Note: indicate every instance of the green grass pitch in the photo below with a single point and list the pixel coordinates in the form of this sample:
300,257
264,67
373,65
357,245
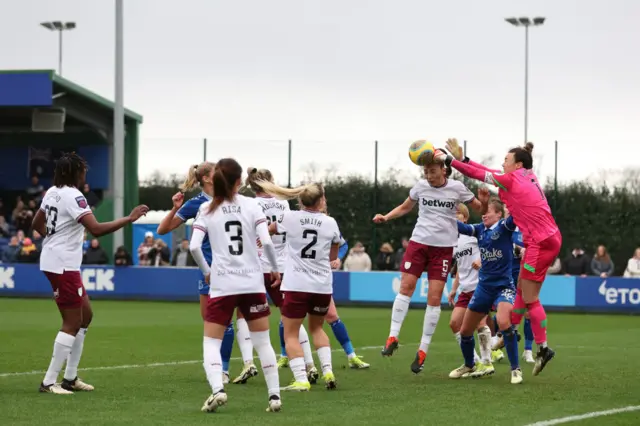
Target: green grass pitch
595,369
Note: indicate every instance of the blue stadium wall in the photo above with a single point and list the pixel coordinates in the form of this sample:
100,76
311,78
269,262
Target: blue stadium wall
362,288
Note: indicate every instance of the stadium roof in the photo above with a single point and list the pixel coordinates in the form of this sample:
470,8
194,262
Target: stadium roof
61,84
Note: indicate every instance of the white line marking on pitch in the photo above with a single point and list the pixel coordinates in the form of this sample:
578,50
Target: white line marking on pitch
157,364
586,416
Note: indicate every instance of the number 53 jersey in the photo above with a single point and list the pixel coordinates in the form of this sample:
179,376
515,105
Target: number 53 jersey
310,236
274,210
235,264
62,246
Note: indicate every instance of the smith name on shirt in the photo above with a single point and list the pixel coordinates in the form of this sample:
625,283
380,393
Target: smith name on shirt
310,221
439,203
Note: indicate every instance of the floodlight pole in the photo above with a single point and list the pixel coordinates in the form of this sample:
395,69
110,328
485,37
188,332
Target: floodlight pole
60,27
526,23
118,127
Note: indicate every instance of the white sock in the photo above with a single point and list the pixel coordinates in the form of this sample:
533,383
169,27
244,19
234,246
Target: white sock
399,313
324,354
306,347
268,361
431,318
484,336
213,362
61,349
244,341
71,372
298,369
494,340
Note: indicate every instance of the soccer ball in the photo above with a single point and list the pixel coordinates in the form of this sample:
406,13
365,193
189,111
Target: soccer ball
421,152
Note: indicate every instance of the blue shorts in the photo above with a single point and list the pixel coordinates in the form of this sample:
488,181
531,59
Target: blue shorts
490,294
203,287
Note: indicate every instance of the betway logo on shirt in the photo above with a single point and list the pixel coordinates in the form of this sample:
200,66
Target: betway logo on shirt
490,255
622,296
465,252
446,204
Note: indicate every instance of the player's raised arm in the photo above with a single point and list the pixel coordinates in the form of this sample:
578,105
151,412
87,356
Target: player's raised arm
465,229
98,229
399,211
500,180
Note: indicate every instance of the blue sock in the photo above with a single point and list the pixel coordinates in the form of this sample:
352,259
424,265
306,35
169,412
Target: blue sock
283,350
511,343
340,331
468,344
528,335
227,347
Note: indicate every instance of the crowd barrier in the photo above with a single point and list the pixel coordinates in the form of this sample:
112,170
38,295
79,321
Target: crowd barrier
363,288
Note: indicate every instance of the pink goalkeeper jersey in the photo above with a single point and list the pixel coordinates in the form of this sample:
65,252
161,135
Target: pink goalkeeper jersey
524,197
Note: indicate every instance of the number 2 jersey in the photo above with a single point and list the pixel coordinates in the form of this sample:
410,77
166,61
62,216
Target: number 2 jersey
274,210
310,236
62,246
235,263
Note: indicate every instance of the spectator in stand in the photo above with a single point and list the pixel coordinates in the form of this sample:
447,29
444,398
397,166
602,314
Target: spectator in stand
28,252
10,253
86,243
92,198
32,207
35,190
577,263
143,249
122,257
357,260
20,235
37,240
95,255
159,254
4,228
400,254
385,260
556,268
633,265
182,256
22,217
3,213
601,264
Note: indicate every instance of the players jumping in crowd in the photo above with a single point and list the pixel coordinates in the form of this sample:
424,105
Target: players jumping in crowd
495,288
519,188
313,240
63,217
233,224
430,248
181,211
467,263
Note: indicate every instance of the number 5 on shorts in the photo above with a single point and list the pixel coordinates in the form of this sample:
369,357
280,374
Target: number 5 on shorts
445,266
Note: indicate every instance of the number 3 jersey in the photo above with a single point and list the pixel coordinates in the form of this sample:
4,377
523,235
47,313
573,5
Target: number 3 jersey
310,236
62,246
274,210
235,264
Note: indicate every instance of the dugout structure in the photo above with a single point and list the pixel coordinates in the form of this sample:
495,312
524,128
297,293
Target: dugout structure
43,114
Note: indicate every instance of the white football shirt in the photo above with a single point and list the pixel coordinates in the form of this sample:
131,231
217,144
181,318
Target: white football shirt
62,246
274,210
235,264
310,236
436,225
465,253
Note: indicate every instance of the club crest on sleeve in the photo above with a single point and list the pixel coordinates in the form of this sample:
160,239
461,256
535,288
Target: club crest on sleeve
82,202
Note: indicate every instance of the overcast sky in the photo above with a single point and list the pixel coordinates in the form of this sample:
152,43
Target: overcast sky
335,75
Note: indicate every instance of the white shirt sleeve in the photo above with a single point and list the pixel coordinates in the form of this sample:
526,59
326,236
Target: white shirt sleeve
195,246
413,192
281,225
465,195
263,234
77,205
